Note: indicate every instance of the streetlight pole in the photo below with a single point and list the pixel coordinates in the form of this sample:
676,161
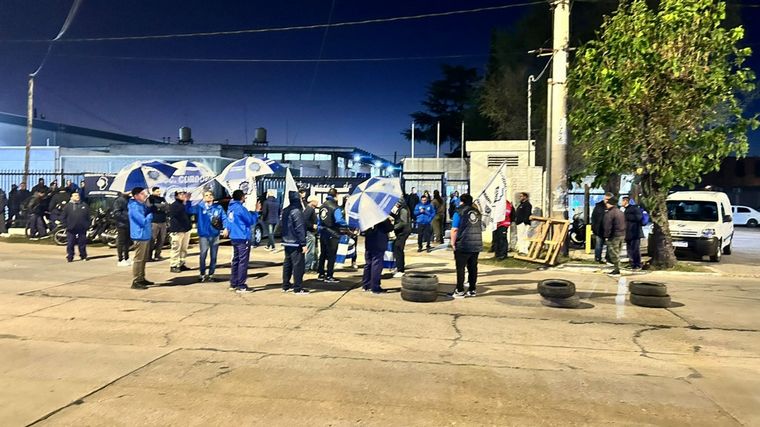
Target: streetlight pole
29,123
558,116
412,139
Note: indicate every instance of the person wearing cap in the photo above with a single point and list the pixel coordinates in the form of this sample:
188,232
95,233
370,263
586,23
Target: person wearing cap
208,215
140,232
614,232
294,241
310,222
179,231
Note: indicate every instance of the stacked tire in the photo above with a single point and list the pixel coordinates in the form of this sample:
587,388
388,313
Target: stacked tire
419,287
649,294
558,293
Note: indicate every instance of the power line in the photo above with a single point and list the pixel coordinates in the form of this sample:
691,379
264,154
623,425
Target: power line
266,60
289,28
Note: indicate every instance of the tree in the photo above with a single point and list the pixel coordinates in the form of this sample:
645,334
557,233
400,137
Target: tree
658,94
448,101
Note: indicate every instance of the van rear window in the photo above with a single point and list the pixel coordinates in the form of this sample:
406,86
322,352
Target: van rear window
692,210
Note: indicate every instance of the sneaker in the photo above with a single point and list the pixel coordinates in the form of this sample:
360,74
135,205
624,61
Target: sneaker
210,278
122,263
302,291
138,285
429,250
84,259
331,280
354,266
419,250
243,290
69,260
202,278
457,294
183,267
379,291
471,293
614,272
286,290
175,270
232,288
398,274
321,277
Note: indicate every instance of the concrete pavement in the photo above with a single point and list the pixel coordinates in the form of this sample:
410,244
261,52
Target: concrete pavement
80,347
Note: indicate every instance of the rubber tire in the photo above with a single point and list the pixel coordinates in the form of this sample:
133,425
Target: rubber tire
420,282
727,249
650,301
59,236
719,252
752,223
418,296
651,289
556,288
569,302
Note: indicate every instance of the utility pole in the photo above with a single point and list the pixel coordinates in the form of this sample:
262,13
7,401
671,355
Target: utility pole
558,110
29,123
412,139
438,140
531,79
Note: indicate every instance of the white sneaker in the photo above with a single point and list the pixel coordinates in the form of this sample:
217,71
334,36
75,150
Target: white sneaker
123,263
398,274
129,262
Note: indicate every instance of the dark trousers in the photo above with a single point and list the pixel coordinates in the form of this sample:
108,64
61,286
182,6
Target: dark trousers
398,251
270,235
424,233
78,238
373,269
293,267
633,247
158,237
328,250
500,243
241,255
598,246
37,227
123,242
469,260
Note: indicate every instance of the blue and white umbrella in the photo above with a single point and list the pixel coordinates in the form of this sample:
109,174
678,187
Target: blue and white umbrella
142,174
192,177
241,175
372,202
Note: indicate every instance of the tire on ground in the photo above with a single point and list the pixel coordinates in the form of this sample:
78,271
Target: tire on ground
418,296
651,301
556,288
569,302
654,289
420,282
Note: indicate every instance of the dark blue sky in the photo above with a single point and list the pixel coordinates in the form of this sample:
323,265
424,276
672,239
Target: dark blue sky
364,104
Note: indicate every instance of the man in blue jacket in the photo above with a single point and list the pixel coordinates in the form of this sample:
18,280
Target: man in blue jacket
294,241
467,242
207,214
424,213
140,231
76,217
375,244
271,215
237,225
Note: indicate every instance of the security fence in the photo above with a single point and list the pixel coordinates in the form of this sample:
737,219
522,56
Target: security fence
10,177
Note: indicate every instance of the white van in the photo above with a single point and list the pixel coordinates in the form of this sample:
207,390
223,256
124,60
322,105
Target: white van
701,223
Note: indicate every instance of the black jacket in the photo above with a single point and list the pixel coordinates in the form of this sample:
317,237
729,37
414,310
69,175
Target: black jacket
597,218
523,213
16,200
179,218
157,205
376,238
403,221
310,218
76,217
121,212
614,223
412,200
293,229
633,217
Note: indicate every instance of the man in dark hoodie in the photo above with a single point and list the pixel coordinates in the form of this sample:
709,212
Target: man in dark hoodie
121,219
375,244
158,207
597,226
402,226
614,232
310,221
179,231
294,241
75,216
271,214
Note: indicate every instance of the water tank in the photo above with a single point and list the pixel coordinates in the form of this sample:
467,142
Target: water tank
185,135
261,136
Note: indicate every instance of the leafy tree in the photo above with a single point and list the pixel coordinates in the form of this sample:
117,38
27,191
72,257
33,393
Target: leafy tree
448,101
658,95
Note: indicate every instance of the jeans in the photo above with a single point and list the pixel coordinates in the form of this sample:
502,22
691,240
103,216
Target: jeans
311,251
76,238
328,248
633,247
138,263
208,244
614,246
158,233
241,255
500,243
598,247
270,236
424,232
180,242
123,242
293,267
373,269
469,260
398,251
37,226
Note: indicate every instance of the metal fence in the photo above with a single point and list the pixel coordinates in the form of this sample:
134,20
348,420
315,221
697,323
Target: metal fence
10,177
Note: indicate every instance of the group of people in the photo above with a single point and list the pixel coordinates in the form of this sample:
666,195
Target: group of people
612,226
42,206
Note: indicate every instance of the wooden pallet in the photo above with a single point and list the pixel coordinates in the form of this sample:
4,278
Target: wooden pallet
542,250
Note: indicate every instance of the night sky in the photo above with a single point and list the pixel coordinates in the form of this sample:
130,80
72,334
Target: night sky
363,104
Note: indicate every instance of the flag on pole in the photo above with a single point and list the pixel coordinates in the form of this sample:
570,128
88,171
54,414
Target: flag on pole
290,185
493,199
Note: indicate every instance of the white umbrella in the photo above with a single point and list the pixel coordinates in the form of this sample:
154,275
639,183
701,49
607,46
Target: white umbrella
372,201
142,174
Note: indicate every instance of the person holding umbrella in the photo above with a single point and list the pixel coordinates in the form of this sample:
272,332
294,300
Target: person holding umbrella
375,244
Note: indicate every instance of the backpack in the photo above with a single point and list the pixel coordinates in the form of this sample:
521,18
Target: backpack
645,220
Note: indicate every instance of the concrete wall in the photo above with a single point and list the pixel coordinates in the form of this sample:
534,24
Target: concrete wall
521,177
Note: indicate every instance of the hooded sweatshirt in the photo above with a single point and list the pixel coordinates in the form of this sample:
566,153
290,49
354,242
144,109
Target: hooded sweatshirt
293,227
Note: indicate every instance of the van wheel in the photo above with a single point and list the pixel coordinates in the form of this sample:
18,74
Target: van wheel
727,249
718,253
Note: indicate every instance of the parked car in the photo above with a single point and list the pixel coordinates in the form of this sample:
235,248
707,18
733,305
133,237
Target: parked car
745,215
701,223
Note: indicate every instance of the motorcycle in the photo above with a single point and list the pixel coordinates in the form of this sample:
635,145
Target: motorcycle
98,230
577,232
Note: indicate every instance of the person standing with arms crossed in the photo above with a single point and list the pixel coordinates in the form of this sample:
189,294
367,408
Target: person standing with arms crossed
140,231
467,242
237,225
76,218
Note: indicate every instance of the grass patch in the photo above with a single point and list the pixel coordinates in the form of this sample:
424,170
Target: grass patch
511,263
684,267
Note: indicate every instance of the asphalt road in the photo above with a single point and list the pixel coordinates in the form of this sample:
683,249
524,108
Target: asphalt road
745,253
